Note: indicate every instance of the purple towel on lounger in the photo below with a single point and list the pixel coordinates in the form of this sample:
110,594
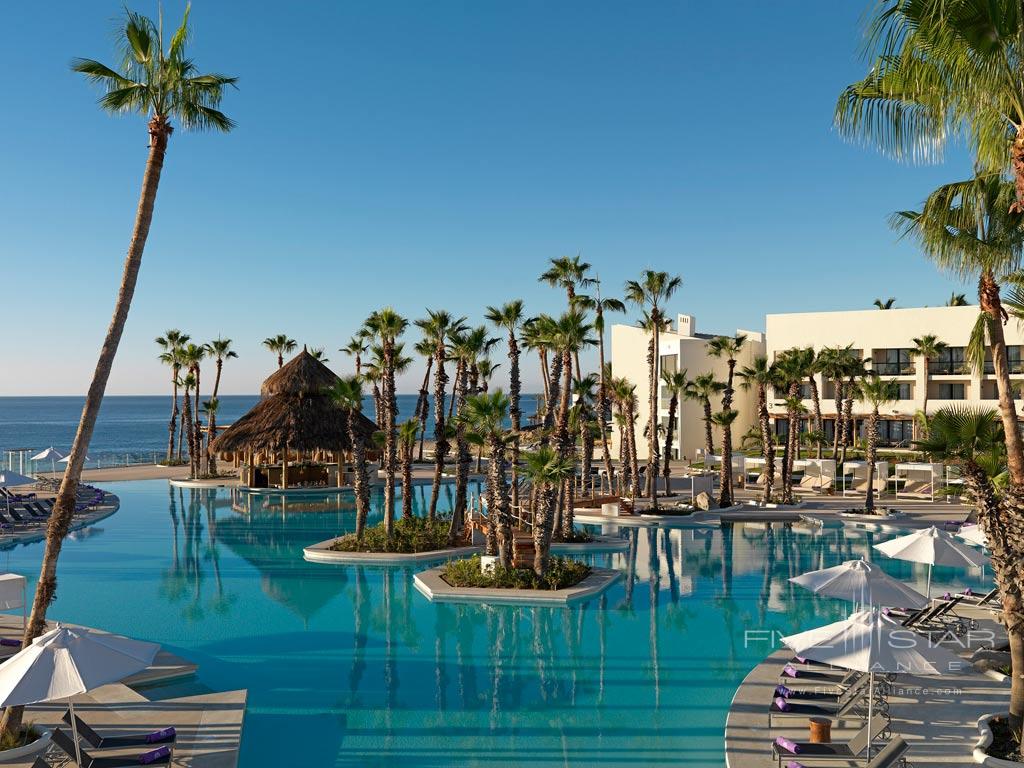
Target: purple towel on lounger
781,704
947,596
790,746
783,691
10,642
153,755
165,734
789,671
968,592
794,764
801,659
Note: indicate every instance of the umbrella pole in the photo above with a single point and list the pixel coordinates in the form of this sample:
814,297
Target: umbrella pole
929,593
74,733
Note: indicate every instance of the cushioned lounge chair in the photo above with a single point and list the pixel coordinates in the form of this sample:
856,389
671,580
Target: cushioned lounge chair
807,751
66,744
156,738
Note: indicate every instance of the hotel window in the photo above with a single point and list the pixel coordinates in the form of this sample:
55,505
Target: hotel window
906,391
949,361
951,392
896,362
1013,358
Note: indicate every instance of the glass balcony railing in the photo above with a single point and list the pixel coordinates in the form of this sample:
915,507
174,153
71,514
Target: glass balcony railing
892,369
947,368
1016,366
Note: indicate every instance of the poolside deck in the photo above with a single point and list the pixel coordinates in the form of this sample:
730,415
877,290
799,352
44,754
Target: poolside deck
936,715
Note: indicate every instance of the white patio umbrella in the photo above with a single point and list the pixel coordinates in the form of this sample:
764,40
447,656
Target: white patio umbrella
9,478
52,455
934,547
67,661
67,459
869,641
973,534
861,582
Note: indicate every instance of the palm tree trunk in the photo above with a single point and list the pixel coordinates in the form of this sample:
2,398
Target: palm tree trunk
991,305
839,427
499,511
869,502
440,440
462,457
542,527
361,481
64,508
709,434
767,443
186,417
725,474
390,457
633,458
197,435
515,413
171,427
407,480
422,406
602,402
816,400
652,423
673,405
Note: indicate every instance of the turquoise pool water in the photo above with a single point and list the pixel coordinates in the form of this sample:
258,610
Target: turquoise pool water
351,666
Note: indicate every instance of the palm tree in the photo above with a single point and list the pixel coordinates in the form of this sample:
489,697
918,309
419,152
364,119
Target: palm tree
728,347
887,304
725,419
484,417
466,346
210,409
436,327
569,273
701,390
220,350
790,370
760,376
957,300
877,392
425,349
407,434
927,347
675,382
833,364
548,471
388,326
187,383
319,353
347,394
586,424
192,356
171,343
535,339
651,292
624,395
280,345
509,317
599,305
357,347
854,370
942,70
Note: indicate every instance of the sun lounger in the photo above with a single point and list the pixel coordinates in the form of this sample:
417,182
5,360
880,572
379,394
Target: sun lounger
160,755
980,600
851,702
795,673
807,751
156,738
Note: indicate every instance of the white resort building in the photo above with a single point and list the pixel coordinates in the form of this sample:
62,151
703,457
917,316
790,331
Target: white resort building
882,337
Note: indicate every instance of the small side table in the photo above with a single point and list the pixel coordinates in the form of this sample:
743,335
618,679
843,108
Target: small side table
821,730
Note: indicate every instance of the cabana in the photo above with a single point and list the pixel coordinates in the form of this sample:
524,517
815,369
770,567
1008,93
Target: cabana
857,472
295,436
714,461
819,475
918,480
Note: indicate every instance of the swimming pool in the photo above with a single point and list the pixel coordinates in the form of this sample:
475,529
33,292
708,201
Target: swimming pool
350,665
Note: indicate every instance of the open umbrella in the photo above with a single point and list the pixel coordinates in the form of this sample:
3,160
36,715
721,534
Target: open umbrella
9,478
973,534
869,641
67,459
934,547
68,661
52,455
861,582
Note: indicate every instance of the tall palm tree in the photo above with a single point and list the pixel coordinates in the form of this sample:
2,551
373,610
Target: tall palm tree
854,370
876,391
624,395
210,409
220,350
790,370
425,349
586,425
599,305
760,376
188,383
942,70
436,328
535,339
280,345
484,417
725,419
886,304
192,356
728,347
651,292
171,343
548,471
675,382
407,434
509,317
572,334
568,273
701,390
927,347
319,353
347,394
388,326
357,347
957,300
833,363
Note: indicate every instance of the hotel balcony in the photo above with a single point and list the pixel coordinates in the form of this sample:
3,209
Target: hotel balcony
892,369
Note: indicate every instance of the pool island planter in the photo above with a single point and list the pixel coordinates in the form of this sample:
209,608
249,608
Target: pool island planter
981,757
26,751
433,586
321,552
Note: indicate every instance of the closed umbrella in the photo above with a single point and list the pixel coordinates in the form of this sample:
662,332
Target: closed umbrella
52,455
934,547
869,641
67,661
861,582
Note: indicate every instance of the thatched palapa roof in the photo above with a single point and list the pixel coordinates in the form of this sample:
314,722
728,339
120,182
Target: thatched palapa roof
294,412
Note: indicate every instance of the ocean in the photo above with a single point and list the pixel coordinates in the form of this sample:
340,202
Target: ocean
130,429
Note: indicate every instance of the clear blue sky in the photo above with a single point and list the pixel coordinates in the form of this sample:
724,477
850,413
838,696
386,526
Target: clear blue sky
437,154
